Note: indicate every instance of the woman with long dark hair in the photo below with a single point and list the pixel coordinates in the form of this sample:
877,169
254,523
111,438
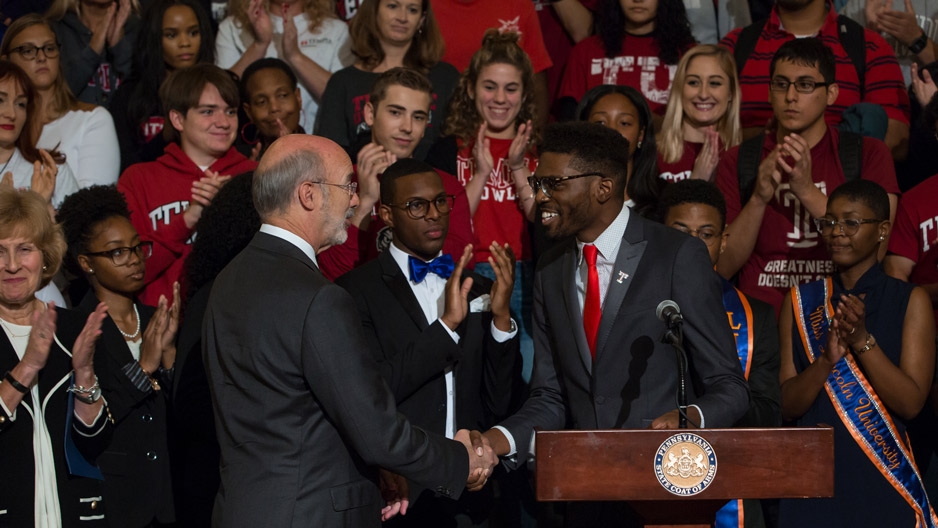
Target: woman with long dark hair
175,34
622,108
638,43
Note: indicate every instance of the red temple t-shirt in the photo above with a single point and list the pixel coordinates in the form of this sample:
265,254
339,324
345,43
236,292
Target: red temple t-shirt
915,235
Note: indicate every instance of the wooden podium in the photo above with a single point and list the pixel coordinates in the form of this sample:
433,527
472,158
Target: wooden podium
619,465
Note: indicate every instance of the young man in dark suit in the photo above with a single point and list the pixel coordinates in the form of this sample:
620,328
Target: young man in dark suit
450,359
599,360
303,414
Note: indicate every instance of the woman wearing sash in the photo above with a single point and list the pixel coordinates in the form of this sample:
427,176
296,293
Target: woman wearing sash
857,352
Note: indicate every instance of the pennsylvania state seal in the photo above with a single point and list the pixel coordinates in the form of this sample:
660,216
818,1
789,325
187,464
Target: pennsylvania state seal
685,464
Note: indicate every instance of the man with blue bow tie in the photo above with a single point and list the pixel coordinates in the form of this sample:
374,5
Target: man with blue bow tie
443,337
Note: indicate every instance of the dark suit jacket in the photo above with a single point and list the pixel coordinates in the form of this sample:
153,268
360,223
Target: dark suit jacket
412,354
301,409
135,465
17,486
765,408
634,379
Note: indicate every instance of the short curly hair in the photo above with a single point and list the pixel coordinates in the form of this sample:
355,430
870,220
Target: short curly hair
82,213
26,214
692,192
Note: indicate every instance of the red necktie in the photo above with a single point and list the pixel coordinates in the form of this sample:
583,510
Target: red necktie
592,311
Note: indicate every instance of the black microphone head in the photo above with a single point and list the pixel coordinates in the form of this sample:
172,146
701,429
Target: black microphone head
665,309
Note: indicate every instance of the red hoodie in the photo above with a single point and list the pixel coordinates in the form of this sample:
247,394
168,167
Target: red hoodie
158,193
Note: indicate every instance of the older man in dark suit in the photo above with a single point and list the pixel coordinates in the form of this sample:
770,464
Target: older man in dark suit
301,409
444,339
598,355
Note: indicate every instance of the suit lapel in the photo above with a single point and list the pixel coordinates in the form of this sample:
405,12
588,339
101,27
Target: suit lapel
623,273
395,280
572,301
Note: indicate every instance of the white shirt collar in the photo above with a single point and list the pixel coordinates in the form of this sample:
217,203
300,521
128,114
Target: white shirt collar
292,238
608,241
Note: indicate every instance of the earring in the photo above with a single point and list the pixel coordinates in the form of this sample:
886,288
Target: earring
882,238
91,271
639,144
44,267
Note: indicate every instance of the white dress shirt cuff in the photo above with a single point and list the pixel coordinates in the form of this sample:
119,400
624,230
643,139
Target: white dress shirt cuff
501,337
511,440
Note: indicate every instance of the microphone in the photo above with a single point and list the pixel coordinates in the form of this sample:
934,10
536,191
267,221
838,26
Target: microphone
669,312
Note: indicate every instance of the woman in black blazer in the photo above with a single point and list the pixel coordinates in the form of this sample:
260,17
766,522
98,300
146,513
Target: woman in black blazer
135,366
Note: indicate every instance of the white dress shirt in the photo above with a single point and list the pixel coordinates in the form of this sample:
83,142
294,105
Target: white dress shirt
292,238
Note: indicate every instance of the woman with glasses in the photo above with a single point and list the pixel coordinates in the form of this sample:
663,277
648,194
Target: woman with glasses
84,133
136,353
702,119
858,352
625,110
50,397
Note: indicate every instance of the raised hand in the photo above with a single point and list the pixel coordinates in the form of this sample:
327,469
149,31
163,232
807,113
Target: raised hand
168,337
456,302
798,169
769,177
519,146
44,173
923,87
709,156
115,30
482,152
372,160
850,315
40,339
482,459
83,349
291,43
872,11
900,24
502,261
394,491
101,29
203,192
261,25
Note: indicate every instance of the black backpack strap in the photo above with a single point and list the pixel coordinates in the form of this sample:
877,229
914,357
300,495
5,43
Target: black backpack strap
850,151
746,43
747,166
853,39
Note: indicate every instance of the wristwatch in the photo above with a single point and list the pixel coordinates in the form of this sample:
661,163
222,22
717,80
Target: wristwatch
919,44
89,395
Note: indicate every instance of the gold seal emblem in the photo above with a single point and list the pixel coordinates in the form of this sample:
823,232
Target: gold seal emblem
685,464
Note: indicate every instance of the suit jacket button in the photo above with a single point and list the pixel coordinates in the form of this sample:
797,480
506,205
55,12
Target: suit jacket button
94,505
147,417
600,400
151,456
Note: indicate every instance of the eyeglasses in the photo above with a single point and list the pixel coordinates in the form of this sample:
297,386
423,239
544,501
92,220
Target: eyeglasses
548,184
28,51
418,208
709,235
350,188
121,256
805,86
848,226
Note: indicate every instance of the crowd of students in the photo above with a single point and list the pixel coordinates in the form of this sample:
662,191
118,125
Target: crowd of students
808,146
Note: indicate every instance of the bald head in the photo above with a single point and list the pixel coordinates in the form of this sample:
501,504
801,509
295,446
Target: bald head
290,161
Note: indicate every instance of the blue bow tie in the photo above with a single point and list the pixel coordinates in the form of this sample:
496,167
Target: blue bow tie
442,266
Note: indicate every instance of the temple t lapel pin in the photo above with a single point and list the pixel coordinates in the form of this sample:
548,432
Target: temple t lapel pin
622,276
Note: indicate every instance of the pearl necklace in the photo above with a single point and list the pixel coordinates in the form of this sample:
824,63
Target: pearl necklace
136,332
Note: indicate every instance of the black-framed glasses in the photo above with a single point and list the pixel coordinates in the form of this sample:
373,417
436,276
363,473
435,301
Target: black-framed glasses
350,187
28,51
848,226
121,256
418,208
805,86
548,184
